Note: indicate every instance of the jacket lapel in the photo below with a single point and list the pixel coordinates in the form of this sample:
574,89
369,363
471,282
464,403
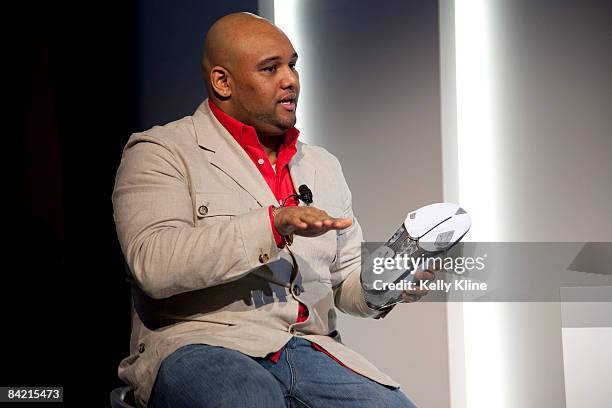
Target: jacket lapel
302,171
229,156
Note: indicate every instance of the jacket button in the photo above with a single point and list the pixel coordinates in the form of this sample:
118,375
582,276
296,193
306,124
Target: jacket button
263,258
296,290
203,210
141,348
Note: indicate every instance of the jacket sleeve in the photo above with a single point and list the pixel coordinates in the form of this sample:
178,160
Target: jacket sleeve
154,216
346,270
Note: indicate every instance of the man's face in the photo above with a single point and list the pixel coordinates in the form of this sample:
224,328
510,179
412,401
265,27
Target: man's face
265,83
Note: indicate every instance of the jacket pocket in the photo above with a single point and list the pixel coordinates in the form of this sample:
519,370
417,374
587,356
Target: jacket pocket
210,207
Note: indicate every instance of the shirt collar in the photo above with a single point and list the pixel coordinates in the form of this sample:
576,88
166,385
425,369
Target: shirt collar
246,135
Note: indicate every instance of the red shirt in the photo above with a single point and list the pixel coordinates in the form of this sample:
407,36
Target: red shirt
278,179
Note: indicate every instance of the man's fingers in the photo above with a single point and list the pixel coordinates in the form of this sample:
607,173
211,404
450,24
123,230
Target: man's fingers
415,295
342,223
308,221
312,220
424,275
328,222
412,296
298,223
419,275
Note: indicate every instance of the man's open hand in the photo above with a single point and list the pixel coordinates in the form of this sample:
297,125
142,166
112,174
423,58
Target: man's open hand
307,221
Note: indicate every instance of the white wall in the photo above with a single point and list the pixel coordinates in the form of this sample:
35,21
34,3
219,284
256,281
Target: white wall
550,113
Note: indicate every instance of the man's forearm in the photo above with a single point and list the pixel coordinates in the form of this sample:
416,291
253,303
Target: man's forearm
348,297
169,261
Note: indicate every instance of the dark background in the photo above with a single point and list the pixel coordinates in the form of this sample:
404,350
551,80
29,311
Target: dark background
88,75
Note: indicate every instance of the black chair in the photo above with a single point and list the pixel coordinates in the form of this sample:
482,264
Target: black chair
122,397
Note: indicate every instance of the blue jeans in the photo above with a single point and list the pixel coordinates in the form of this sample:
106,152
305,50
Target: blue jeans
200,375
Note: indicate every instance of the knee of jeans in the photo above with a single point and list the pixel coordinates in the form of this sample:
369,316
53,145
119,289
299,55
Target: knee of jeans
252,392
260,392
186,375
178,368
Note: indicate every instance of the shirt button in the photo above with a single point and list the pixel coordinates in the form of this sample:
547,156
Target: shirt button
260,161
296,290
263,258
203,210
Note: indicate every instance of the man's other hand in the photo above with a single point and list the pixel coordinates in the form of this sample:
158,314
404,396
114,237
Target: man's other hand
307,221
415,295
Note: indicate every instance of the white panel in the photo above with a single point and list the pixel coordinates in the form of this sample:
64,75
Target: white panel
588,367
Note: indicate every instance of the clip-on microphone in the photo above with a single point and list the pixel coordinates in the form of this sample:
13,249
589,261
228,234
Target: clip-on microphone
304,194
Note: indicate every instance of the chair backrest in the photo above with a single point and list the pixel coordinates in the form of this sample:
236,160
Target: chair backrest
122,397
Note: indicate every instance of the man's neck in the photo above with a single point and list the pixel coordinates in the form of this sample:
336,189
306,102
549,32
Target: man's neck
270,146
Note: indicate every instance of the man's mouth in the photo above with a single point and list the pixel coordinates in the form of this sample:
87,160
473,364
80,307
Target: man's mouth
289,102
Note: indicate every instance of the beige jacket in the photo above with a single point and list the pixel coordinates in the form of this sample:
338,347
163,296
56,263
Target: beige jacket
191,211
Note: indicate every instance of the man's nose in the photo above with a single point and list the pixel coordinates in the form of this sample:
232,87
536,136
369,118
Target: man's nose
290,78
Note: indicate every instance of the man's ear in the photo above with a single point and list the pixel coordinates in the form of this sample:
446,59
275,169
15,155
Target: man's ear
220,82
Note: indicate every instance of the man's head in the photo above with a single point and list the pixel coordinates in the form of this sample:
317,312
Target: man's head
249,69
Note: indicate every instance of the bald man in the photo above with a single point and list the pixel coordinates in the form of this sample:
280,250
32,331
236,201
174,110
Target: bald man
235,280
